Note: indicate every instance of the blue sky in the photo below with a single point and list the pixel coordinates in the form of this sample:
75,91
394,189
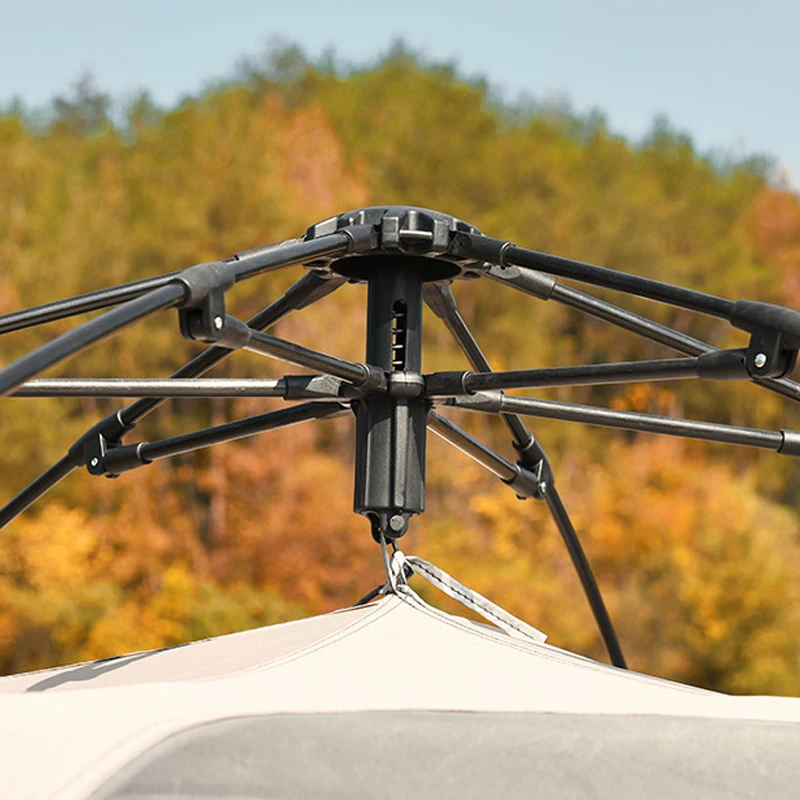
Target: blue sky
725,72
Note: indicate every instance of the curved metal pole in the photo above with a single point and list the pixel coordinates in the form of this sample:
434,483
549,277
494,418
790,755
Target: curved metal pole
81,304
443,303
72,342
584,570
34,490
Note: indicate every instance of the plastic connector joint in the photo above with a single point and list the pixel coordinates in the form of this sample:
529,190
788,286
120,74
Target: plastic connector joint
484,248
310,387
93,444
448,384
234,334
123,459
752,316
530,281
202,313
363,238
526,483
202,279
723,365
374,379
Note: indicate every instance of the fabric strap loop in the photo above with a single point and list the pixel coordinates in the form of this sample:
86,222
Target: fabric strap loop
469,598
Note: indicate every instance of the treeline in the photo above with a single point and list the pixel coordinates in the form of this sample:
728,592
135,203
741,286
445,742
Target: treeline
695,546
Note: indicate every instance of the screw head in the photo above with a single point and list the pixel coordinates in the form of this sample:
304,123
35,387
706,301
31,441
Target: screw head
760,360
218,323
543,487
94,462
397,523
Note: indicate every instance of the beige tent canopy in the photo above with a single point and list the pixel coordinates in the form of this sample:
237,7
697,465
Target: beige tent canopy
392,699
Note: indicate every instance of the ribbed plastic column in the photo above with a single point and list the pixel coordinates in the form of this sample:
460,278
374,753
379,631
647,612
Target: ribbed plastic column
390,429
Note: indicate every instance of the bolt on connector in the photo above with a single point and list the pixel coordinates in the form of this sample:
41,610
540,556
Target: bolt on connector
397,523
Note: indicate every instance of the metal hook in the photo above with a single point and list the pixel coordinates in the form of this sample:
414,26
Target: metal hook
395,566
391,583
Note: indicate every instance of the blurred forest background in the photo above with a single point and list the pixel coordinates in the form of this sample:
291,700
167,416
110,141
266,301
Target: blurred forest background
696,547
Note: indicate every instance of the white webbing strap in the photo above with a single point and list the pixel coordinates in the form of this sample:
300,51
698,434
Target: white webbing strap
466,596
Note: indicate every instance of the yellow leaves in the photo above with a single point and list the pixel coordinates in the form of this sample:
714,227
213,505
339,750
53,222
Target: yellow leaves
774,228
314,168
57,549
129,629
159,621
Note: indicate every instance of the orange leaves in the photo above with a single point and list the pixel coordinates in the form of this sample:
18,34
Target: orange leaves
775,224
648,397
9,298
313,167
774,227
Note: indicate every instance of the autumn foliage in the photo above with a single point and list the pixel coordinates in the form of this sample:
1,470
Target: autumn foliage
696,547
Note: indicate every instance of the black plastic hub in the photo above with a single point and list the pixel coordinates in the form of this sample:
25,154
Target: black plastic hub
408,238
410,247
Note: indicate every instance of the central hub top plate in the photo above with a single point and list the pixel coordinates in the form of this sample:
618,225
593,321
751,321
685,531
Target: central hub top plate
406,238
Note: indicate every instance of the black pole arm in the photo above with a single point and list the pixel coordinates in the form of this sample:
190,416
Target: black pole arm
365,376
584,570
786,442
544,287
72,342
721,365
441,301
147,387
775,330
81,304
356,239
290,387
126,457
500,252
305,291
35,489
241,266
524,482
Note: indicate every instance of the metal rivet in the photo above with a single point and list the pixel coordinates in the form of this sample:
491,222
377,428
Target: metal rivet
760,360
543,487
94,462
218,323
397,523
